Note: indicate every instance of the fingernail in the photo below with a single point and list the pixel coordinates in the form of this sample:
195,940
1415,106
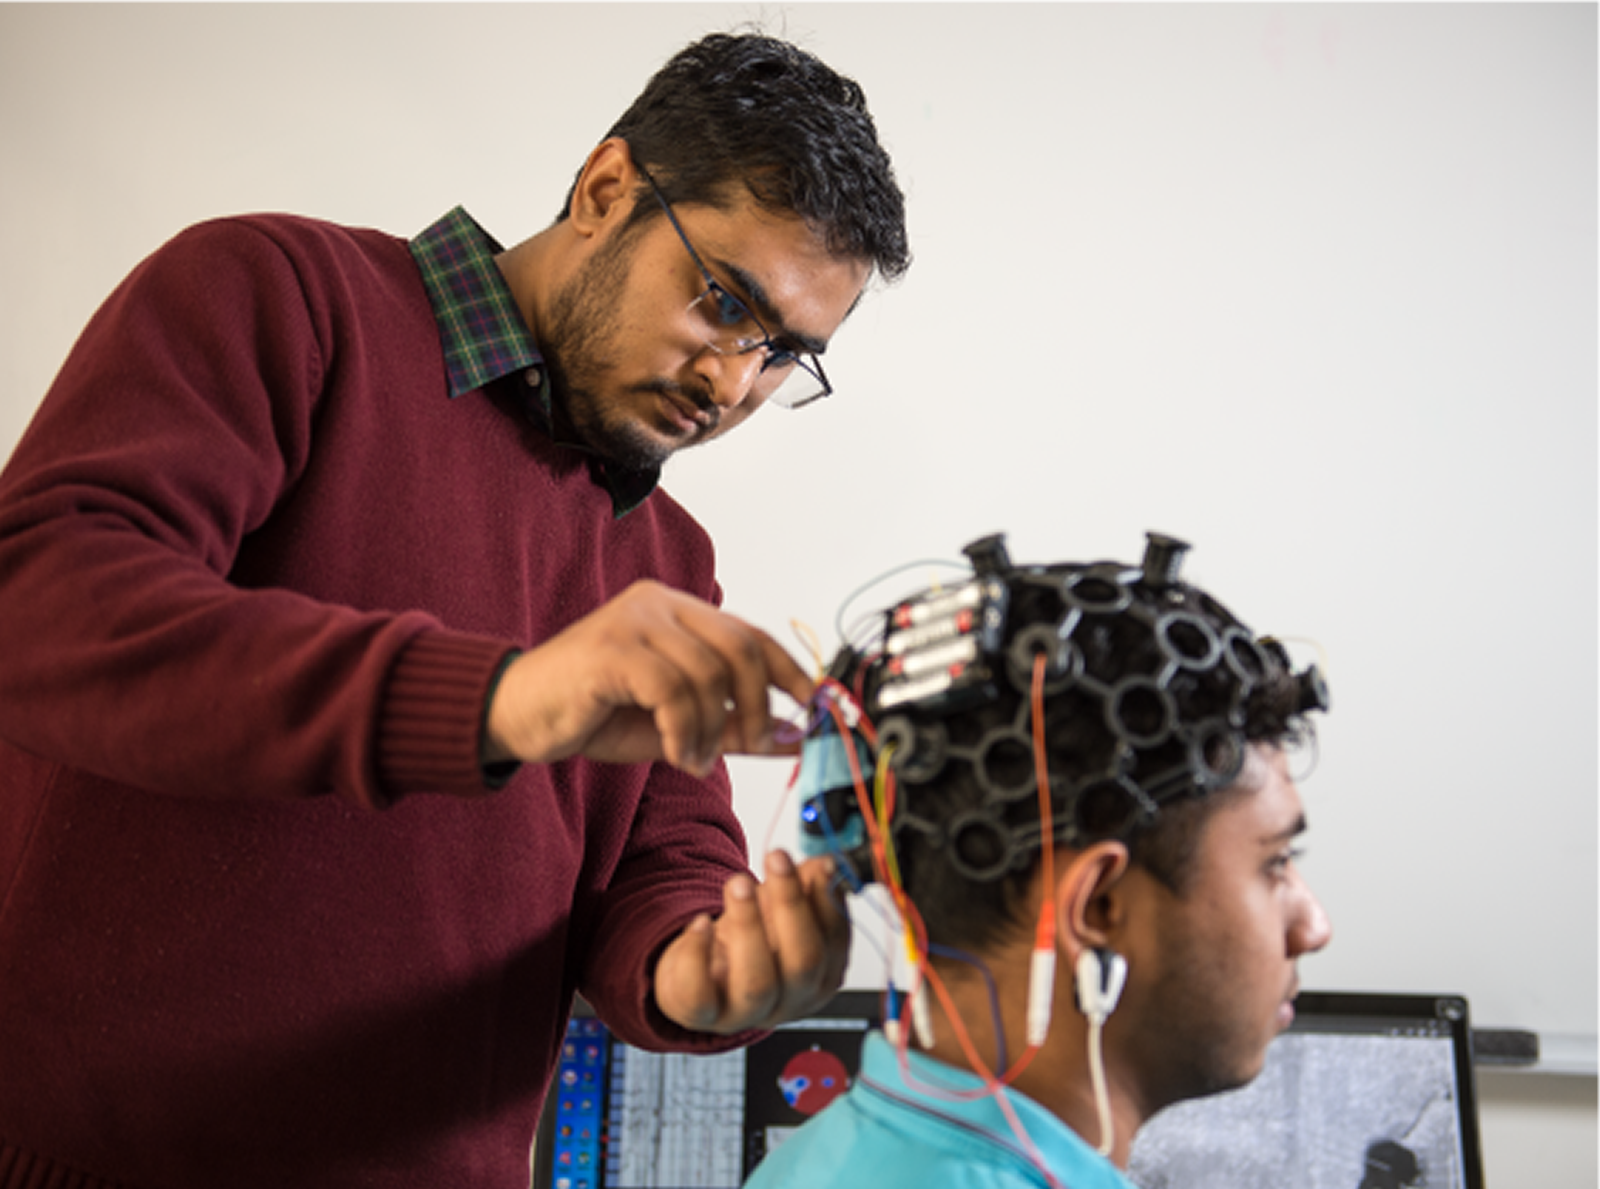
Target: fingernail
742,887
779,863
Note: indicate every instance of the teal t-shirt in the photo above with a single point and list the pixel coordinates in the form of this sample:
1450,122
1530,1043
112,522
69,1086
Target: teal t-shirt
888,1133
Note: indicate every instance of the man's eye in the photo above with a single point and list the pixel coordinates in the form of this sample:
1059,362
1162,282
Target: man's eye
730,310
778,358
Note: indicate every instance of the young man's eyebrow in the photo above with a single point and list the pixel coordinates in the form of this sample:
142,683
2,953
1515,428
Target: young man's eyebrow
1298,827
756,296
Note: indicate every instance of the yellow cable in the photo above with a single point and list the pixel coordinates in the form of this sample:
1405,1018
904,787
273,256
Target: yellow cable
810,642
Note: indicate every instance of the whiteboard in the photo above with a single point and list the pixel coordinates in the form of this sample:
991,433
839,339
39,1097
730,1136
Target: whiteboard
1313,287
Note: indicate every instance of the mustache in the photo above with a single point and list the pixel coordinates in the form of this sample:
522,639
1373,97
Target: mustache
701,401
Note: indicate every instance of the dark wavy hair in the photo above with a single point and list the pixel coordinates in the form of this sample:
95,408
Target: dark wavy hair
751,110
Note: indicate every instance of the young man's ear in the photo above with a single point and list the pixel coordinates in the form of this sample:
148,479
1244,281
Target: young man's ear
1090,908
605,187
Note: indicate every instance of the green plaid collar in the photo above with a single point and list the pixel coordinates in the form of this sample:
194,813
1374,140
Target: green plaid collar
485,338
482,330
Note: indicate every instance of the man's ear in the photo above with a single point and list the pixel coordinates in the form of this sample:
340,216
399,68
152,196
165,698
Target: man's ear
1090,909
605,188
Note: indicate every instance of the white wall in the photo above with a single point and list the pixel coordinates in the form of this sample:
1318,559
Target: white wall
1311,286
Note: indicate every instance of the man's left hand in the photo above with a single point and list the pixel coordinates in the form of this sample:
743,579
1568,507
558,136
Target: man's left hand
776,953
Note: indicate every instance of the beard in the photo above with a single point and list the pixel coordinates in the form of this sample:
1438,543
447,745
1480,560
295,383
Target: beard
578,344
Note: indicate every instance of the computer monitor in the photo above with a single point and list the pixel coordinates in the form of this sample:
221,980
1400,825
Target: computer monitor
622,1118
1365,1091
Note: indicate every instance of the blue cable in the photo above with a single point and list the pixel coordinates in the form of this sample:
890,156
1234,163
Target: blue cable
945,951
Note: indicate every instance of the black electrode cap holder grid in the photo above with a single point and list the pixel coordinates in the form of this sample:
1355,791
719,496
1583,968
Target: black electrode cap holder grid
1313,690
1163,558
919,748
1140,711
989,555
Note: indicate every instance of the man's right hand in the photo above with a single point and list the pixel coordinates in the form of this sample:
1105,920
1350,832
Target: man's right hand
653,674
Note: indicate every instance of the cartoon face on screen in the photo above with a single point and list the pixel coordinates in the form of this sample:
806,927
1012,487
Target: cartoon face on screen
813,1079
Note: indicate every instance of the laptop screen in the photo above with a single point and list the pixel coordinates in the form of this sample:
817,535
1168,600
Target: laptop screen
1362,1092
621,1118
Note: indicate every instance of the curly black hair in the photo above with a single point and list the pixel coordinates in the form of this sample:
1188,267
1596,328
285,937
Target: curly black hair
751,110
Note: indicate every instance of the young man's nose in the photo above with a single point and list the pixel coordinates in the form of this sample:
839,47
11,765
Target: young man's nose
1312,930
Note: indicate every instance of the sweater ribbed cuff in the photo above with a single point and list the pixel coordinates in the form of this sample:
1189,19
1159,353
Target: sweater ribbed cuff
430,726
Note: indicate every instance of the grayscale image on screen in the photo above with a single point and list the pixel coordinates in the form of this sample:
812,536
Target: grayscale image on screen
1329,1111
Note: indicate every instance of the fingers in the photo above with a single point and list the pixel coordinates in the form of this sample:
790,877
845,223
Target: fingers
779,953
686,987
720,977
783,672
706,678
801,929
653,674
806,934
752,989
825,894
714,696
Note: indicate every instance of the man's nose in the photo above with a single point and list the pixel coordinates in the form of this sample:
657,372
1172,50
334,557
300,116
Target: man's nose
731,377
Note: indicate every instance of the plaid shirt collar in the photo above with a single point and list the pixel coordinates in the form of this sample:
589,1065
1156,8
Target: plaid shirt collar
485,338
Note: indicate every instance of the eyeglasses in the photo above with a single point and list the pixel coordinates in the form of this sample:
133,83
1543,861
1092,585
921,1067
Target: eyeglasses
727,326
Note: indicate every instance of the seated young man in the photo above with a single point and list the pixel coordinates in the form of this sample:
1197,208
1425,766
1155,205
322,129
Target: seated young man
1145,956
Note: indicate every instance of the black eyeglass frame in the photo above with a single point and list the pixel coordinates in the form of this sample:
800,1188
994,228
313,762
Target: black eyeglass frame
775,356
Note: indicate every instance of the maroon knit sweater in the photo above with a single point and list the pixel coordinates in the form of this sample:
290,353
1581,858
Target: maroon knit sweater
261,923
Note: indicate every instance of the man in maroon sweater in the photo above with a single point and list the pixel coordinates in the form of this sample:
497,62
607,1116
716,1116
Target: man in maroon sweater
361,695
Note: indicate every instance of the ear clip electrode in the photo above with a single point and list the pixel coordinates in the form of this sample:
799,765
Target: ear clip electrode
1097,983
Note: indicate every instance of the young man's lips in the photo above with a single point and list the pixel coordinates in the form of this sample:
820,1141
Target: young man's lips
1286,1008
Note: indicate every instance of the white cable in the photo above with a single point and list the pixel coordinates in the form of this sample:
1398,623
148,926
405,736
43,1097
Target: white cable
1041,995
1097,1076
922,1015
